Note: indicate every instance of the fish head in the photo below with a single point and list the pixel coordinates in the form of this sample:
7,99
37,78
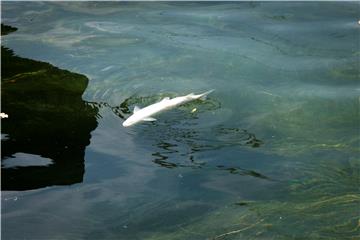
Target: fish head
130,121
126,123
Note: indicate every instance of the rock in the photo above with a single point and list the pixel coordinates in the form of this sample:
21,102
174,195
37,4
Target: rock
48,118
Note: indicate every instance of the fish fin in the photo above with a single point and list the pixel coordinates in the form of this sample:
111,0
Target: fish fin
136,108
149,119
165,99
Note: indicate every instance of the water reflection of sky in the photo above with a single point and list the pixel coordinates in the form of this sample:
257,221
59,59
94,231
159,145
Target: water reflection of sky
276,69
25,160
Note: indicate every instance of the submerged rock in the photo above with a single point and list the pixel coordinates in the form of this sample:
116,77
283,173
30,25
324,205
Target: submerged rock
48,118
5,29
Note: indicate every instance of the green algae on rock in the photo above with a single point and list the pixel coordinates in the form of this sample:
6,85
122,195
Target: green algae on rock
47,117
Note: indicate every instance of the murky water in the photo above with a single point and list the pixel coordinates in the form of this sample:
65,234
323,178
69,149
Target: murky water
273,153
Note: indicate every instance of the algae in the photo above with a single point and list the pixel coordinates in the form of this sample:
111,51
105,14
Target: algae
346,74
295,129
325,206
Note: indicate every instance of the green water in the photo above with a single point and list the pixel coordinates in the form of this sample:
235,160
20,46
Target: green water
273,153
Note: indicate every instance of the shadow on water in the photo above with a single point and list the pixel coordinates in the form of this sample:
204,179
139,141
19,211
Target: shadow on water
47,120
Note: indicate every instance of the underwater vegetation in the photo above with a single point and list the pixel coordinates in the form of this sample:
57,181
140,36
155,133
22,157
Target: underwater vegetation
301,127
320,198
47,117
324,204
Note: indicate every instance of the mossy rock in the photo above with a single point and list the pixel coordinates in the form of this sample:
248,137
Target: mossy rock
47,117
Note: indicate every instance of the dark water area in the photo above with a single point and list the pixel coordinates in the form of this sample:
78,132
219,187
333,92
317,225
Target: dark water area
272,153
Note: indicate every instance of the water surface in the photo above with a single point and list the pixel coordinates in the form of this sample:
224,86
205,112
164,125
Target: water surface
273,153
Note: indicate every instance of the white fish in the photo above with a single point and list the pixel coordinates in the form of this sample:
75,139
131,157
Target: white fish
146,113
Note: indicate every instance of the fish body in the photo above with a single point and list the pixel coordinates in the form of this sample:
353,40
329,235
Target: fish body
146,113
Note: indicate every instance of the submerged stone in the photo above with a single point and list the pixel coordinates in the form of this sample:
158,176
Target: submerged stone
5,29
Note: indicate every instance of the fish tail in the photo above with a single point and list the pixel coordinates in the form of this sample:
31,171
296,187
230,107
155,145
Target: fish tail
203,95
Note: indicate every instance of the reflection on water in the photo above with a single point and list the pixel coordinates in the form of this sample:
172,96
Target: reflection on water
25,160
47,120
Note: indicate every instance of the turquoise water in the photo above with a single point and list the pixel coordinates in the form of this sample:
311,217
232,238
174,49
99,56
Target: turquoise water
273,153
